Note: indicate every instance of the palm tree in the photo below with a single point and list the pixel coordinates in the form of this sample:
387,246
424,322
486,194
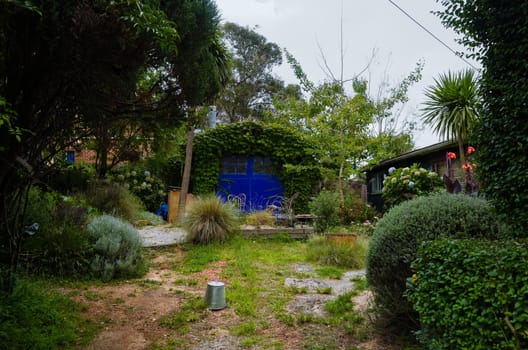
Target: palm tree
451,107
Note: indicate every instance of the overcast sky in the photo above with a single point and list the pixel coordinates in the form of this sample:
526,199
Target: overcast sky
302,26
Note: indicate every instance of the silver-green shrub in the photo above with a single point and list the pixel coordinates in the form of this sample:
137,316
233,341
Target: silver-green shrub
117,248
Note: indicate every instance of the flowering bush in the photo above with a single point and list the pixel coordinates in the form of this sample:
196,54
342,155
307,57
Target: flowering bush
472,184
149,188
409,182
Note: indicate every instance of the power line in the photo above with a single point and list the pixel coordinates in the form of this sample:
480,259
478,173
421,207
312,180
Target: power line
434,36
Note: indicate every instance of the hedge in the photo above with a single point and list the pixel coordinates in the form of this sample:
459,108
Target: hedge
471,294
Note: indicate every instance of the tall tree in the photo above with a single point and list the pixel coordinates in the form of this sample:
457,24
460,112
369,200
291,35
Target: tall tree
495,32
335,121
69,68
53,58
451,107
201,69
252,85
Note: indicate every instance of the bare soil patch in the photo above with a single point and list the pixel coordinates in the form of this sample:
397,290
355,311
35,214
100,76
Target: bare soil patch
131,312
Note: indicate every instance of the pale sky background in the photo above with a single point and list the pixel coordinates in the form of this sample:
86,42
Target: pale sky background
301,25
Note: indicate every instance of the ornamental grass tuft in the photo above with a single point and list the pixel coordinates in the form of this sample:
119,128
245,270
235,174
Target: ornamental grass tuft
210,220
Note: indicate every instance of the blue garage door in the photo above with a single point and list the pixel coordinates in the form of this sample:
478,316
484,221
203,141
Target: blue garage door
250,180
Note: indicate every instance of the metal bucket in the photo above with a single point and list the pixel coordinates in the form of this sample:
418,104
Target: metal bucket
215,295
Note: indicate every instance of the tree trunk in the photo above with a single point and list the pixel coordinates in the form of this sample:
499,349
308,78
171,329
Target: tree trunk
186,175
461,151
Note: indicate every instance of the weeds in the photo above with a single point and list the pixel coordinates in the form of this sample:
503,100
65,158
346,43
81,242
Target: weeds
192,311
34,319
340,254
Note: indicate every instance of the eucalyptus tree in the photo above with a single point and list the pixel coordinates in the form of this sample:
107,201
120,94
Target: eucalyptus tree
451,106
252,85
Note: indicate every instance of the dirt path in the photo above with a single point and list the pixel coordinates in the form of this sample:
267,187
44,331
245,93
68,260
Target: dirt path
133,314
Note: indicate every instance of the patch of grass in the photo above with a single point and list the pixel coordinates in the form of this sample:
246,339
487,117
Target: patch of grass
92,296
190,282
259,218
327,290
342,313
192,311
340,254
198,257
245,329
331,272
249,342
360,284
172,343
33,317
147,283
298,290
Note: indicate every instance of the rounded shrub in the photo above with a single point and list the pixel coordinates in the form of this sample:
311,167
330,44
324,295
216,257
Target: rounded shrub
210,220
398,234
117,248
114,199
325,207
149,188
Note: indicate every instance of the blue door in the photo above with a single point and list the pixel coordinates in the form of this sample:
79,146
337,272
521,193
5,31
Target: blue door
250,181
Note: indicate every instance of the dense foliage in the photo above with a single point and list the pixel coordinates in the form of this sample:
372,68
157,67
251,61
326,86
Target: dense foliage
95,72
57,242
142,183
290,154
410,182
495,32
253,84
209,220
117,248
399,233
471,294
325,208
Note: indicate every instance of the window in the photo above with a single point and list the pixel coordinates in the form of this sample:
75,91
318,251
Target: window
376,183
234,165
262,165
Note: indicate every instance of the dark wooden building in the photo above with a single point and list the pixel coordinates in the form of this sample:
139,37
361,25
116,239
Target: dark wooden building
431,158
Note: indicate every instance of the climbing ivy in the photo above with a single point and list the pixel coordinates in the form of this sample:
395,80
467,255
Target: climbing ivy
291,155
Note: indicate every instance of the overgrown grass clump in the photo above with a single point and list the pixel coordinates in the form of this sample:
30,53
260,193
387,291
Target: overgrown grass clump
341,254
400,232
210,220
117,248
260,218
32,318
